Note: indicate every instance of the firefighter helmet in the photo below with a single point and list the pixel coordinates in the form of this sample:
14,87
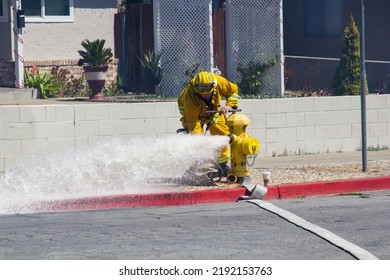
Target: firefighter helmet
205,82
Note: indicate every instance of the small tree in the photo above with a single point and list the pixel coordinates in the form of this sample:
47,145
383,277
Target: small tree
346,80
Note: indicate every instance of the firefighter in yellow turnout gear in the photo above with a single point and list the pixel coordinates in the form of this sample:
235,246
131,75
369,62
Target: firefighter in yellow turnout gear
204,93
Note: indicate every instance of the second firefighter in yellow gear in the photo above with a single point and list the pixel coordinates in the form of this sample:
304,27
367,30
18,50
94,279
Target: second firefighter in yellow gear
204,93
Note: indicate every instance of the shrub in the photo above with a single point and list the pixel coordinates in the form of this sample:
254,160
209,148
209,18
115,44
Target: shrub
288,72
59,82
251,76
384,86
309,91
346,80
46,85
69,85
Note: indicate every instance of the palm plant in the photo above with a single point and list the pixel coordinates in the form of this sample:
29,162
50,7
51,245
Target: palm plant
151,60
94,53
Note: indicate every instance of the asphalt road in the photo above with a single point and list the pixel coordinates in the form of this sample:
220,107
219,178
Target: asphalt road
202,232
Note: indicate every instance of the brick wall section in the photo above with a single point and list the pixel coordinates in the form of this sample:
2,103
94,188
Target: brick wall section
7,70
283,126
71,65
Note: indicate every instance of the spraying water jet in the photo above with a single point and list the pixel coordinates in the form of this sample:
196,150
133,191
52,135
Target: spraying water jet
242,147
115,166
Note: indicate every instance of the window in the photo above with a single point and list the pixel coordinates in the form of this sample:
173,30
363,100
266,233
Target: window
323,17
3,11
48,10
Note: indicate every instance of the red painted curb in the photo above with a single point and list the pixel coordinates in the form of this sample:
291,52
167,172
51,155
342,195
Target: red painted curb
333,187
215,196
145,200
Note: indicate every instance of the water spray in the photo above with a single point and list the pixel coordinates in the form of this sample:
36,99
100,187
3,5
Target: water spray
118,165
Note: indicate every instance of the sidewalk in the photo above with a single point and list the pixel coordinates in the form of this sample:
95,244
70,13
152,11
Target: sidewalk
275,162
284,191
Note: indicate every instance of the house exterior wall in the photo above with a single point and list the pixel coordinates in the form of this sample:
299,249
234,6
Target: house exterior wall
284,126
48,44
58,41
297,44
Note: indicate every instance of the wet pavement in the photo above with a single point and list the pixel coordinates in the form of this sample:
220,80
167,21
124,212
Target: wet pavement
209,231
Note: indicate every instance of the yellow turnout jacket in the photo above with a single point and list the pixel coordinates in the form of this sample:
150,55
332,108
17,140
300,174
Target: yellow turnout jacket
193,108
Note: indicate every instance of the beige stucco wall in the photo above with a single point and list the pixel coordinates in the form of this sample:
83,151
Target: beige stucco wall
54,41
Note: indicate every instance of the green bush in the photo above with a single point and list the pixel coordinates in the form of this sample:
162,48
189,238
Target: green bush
69,85
346,80
58,83
251,82
46,85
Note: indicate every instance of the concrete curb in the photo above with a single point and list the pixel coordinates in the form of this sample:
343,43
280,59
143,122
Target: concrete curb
287,191
332,187
144,200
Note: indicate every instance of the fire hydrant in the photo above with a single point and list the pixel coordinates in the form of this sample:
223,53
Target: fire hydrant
242,145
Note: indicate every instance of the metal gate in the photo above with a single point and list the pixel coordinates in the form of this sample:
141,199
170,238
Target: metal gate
254,33
184,34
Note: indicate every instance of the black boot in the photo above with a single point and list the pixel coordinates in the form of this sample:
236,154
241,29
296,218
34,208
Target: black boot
223,169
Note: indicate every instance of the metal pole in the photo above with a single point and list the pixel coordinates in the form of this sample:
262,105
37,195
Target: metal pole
363,89
281,50
229,40
18,47
124,68
210,35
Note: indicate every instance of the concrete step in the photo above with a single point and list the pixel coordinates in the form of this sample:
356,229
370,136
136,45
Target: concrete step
8,94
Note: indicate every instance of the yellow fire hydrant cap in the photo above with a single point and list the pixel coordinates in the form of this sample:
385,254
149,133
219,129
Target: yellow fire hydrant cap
237,119
250,146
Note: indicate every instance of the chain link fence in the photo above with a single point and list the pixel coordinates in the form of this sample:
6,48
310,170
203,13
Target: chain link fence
254,34
184,35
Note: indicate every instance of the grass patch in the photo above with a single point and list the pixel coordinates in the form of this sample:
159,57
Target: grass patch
373,148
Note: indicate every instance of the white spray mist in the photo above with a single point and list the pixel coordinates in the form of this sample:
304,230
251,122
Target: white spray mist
115,166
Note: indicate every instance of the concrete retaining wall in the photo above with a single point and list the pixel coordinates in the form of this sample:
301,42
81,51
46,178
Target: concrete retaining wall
283,126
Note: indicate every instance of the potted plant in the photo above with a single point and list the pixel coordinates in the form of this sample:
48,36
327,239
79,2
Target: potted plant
151,62
94,59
